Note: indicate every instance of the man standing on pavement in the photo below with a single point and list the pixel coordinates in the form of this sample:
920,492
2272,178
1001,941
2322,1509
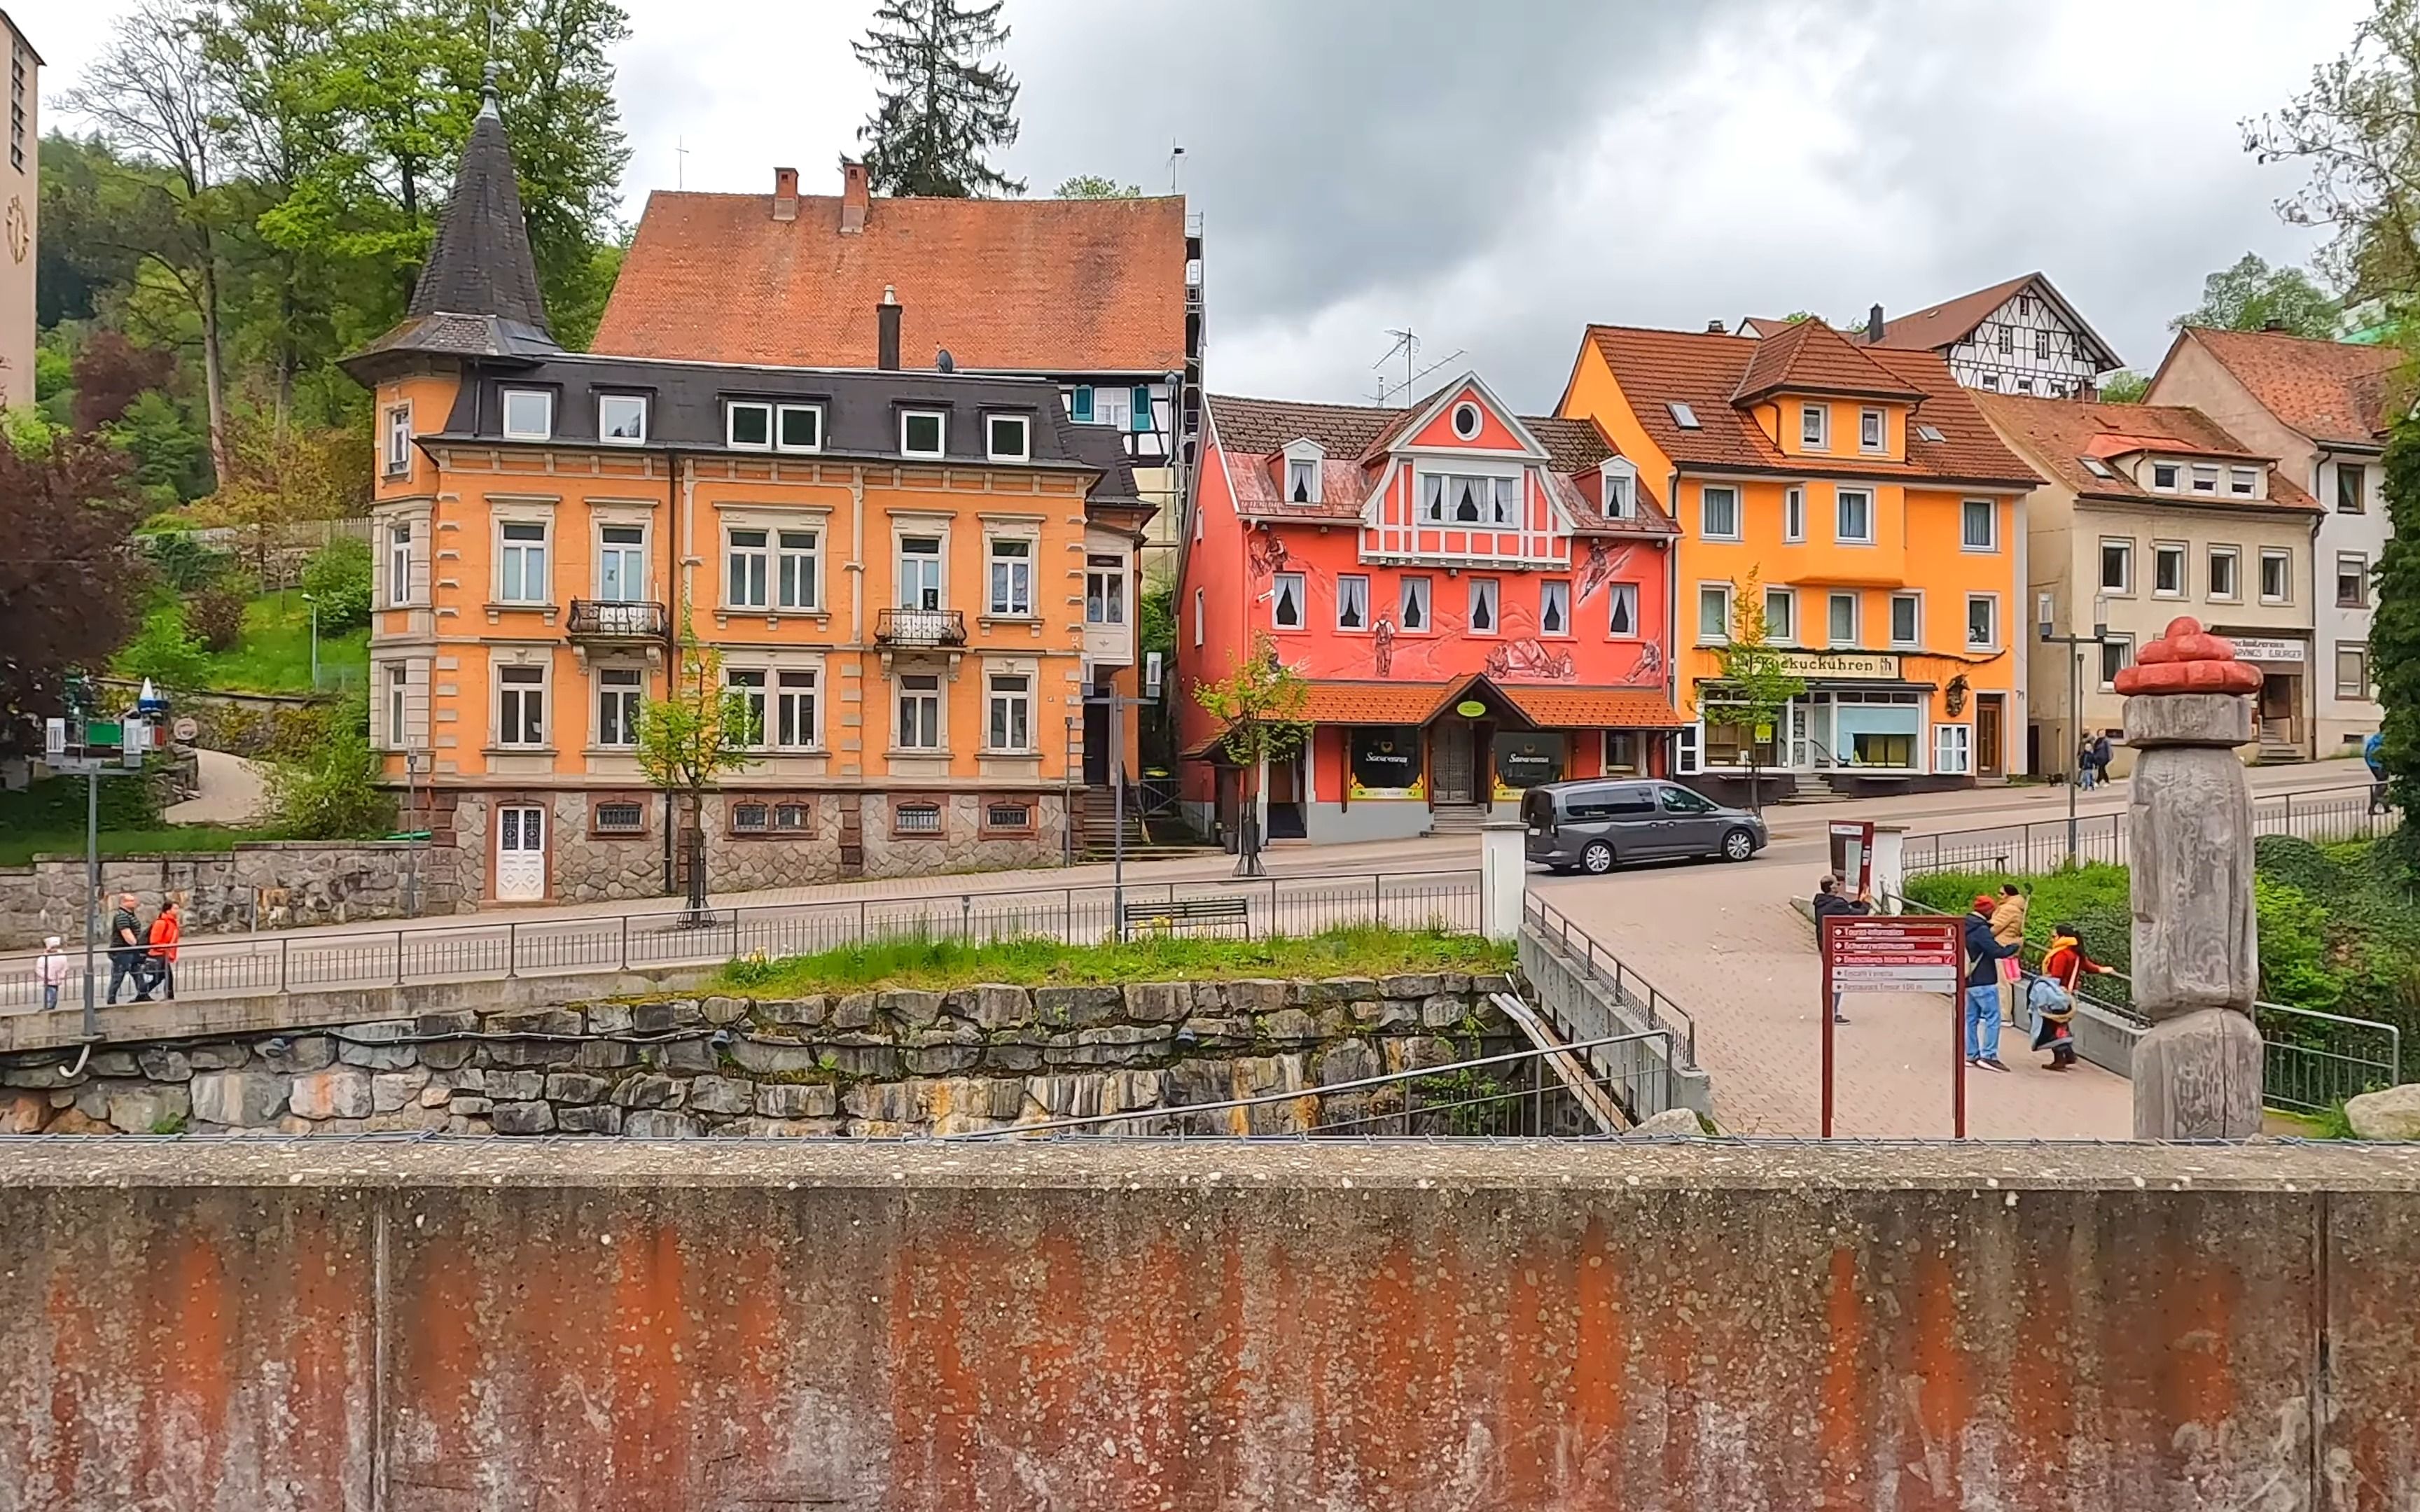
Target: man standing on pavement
128,949
2084,763
1829,900
1983,956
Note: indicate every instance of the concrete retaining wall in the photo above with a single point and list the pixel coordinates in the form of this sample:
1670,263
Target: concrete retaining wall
247,1325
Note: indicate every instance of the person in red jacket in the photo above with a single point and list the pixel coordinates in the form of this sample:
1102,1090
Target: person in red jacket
165,931
2065,963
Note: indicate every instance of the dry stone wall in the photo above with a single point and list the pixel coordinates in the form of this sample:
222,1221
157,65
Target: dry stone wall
871,1064
267,885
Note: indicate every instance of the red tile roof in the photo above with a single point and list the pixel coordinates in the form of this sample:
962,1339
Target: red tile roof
1594,708
1812,357
1951,321
1044,286
2058,434
2330,391
1374,702
1703,369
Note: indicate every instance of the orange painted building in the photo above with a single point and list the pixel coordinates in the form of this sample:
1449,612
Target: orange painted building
1879,517
1477,600
909,580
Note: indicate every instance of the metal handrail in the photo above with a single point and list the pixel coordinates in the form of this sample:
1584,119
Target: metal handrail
2271,815
921,628
1625,982
615,619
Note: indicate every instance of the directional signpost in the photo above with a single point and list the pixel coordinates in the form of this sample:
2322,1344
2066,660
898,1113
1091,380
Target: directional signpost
1887,953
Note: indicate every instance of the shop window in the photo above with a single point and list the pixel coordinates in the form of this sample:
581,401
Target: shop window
1623,754
1524,759
1386,759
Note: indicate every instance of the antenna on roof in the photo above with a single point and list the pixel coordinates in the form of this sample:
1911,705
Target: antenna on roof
1407,343
944,361
680,161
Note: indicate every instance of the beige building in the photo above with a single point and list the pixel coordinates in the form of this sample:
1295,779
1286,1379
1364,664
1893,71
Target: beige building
2152,512
20,202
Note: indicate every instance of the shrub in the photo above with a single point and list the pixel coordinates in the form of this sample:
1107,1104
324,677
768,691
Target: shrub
183,562
165,652
338,576
329,789
215,616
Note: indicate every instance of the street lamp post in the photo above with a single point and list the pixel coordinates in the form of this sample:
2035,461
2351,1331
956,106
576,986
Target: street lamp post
2076,645
315,640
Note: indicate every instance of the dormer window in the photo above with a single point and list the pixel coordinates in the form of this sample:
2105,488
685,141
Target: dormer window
1814,426
921,432
1870,430
1620,483
1005,438
622,419
529,415
2163,476
748,426
2205,479
2244,482
1302,472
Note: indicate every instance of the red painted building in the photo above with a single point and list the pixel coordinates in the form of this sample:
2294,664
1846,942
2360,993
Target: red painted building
1480,602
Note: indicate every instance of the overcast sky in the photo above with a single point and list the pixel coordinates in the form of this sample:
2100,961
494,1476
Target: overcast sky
1496,176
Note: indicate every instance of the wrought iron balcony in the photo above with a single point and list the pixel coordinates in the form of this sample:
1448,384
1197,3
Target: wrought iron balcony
605,619
921,628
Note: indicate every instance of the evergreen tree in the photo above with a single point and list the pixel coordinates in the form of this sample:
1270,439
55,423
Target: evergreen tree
938,110
2395,632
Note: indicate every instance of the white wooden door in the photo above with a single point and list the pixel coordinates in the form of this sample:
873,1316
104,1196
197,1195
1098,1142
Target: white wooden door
520,855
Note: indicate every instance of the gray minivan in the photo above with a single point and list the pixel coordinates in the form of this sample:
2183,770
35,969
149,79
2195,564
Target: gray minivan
1592,823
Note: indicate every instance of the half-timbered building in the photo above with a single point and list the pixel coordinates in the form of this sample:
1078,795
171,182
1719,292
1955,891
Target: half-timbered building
2018,337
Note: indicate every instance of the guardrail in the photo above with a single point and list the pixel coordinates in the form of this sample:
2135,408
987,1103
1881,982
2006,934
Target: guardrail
492,949
2039,846
1590,996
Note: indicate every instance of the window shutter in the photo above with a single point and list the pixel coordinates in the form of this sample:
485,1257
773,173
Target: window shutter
1142,418
1082,406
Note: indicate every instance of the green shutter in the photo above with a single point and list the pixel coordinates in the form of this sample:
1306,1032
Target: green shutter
1142,418
1082,406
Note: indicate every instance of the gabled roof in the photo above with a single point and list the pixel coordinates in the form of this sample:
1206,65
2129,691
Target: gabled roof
1939,327
1760,325
1028,285
1812,357
2058,434
1703,370
2330,391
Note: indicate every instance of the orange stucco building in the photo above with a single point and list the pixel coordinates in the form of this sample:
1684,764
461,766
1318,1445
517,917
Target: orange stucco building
1877,515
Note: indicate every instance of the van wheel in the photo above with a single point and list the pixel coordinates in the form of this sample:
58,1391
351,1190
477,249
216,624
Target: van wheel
1738,846
1597,859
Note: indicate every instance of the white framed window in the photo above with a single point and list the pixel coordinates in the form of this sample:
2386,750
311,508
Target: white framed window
1952,748
1815,426
1619,489
520,705
1012,576
2352,669
1713,614
745,686
800,427
1008,437
399,439
1462,499
794,709
920,711
1978,525
2041,345
1010,724
1841,620
2024,305
1114,404
1622,610
1105,590
2007,340
796,568
398,684
2168,569
529,414
1286,601
1718,512
1554,606
1793,514
2244,482
1907,619
2163,476
2205,479
1781,615
399,563
2352,485
1872,431
1991,382
621,564
1466,421
2117,566
2353,580
1982,620
2116,655
2276,576
622,419
619,692
919,572
1483,605
2225,586
747,424
521,566
1352,603
923,432
1413,607
1853,516
1302,481
1688,745
747,569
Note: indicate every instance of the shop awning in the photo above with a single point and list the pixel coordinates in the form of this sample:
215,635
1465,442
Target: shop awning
1372,703
1594,708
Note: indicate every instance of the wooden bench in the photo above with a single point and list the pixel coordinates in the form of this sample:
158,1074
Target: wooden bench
1185,913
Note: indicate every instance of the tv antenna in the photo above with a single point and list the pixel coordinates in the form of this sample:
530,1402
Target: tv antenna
680,162
1407,345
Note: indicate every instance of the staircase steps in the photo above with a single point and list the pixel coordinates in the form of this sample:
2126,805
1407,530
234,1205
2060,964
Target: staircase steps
1457,820
2281,755
1814,787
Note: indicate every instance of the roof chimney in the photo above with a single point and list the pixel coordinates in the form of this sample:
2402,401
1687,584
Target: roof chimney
855,198
886,324
1713,328
1874,324
785,193
2273,323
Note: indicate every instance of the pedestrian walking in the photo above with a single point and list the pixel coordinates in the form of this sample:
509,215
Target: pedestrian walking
2373,755
52,969
2100,755
2008,928
165,931
1983,956
1829,900
128,949
2085,767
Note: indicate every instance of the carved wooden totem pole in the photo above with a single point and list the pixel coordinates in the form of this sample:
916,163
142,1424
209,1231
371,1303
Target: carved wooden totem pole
2197,1071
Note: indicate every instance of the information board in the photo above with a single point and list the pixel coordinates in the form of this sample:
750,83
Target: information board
1888,953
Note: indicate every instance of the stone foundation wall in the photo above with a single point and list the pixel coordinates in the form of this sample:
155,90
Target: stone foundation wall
874,1063
269,884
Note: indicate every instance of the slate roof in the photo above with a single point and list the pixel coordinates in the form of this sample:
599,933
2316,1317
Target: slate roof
2330,391
1705,369
1033,286
2058,434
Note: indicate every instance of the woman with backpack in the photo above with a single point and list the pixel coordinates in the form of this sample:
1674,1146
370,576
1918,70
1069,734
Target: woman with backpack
2053,995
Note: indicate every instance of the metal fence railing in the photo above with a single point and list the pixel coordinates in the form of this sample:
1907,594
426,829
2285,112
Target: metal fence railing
487,948
2039,846
1627,986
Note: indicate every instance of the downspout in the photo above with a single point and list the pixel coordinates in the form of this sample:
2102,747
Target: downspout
1672,624
677,582
855,566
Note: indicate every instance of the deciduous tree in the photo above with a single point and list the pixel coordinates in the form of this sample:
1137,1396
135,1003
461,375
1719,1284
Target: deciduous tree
1092,186
688,738
1259,706
2356,132
1757,681
2252,296
69,583
2394,635
938,109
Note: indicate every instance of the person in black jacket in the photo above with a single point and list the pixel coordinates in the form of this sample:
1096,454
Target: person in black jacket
1829,900
128,951
1983,955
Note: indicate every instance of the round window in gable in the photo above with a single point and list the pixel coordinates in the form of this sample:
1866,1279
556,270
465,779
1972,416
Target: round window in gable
1466,421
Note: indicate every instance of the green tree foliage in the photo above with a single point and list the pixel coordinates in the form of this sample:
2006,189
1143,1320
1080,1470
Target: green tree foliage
182,562
1157,624
2355,132
2394,633
171,456
2125,386
71,583
1258,707
338,578
938,109
2252,296
1092,186
167,651
215,615
1757,681
331,790
700,730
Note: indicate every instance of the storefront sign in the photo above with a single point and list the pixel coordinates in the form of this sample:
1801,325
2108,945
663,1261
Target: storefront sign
1385,761
1470,709
1524,761
1862,664
2262,648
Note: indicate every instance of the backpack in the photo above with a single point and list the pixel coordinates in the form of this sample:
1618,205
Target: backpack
2047,998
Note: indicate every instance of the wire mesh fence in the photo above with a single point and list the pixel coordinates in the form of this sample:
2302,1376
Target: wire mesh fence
2034,848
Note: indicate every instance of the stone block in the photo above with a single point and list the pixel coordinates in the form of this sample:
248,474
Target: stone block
1199,1081
1457,984
221,1055
771,1058
686,1057
406,1120
649,1090
854,1012
796,1100
1410,985
2223,720
780,1128
379,1056
1666,1124
447,1055
1289,1024
1257,995
942,1059
2391,1114
720,1094
1212,1032
114,1063
383,1031
1159,1002
1386,1013
431,1096
596,1119
607,1018
238,1099
469,1104
515,1086
883,1101
457,1124
147,1110
875,1060
92,1101
549,1021
1017,1058
576,1087
337,1092
471,1079
1441,1011
662,1018
452,1021
722,1011
392,1091
1494,981
298,1054
992,1005
1076,1007
910,1008
522,1117
77,1121
804,1013
605,1055
1342,989
63,1096
660,1125
162,1064
1349,1061
530,1052
24,1112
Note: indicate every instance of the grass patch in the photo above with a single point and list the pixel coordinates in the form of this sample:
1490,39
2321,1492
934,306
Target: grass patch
18,847
1361,951
274,655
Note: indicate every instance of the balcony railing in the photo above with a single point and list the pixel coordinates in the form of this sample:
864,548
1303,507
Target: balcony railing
604,619
921,628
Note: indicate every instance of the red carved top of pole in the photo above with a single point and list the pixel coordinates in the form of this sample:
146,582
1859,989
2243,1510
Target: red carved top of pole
2188,660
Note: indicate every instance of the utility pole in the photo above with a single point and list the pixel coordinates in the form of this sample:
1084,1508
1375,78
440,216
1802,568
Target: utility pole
98,746
2075,643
